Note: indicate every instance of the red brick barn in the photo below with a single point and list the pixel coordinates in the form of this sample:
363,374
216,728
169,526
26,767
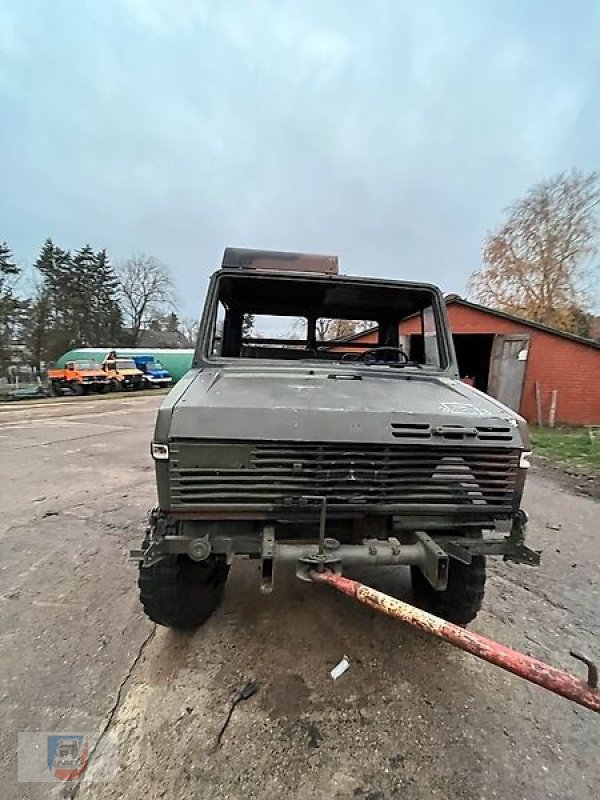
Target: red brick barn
521,363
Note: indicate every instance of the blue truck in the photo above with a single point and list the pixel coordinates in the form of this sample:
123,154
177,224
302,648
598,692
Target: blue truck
155,375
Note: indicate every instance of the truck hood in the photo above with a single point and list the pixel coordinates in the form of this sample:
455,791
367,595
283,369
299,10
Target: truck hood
329,404
158,373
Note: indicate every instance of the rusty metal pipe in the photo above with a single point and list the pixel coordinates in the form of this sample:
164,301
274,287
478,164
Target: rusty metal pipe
555,680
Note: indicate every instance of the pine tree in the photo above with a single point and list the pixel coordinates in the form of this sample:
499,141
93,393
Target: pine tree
107,322
76,304
85,305
10,305
38,327
7,265
50,331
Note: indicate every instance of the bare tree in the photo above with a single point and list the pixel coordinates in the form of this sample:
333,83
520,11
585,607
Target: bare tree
538,264
146,288
189,327
330,329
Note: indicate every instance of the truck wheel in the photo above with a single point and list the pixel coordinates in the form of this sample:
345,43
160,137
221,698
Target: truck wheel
115,385
181,593
55,389
77,389
462,598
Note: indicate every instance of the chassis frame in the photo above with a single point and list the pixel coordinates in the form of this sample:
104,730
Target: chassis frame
430,553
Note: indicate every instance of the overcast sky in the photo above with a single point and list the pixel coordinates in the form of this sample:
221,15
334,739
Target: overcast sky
390,133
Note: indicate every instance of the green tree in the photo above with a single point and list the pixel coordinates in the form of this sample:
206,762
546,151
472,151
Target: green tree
109,319
50,329
10,305
95,307
76,303
83,296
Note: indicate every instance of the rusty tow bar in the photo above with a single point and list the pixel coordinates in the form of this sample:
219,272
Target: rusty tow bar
551,678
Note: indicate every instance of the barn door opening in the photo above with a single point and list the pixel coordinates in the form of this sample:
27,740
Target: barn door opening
507,369
473,355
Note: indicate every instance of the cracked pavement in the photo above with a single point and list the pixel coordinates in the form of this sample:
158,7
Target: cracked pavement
412,717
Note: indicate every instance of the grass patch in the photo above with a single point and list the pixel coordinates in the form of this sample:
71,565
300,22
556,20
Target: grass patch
570,447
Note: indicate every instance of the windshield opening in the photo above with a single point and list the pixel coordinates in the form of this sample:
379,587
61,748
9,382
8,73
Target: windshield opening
260,317
86,365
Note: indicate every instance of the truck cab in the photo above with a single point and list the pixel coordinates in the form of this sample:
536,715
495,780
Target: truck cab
154,374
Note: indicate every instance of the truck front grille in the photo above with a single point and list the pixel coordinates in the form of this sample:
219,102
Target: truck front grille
416,478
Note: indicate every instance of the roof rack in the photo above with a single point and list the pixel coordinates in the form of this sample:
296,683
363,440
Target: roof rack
273,260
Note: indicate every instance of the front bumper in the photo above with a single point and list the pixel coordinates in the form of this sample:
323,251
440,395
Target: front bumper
430,553
158,381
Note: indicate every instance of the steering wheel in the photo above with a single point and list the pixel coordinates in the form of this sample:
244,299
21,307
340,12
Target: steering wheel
374,350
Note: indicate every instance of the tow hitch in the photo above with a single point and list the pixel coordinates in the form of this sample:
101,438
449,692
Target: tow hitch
555,680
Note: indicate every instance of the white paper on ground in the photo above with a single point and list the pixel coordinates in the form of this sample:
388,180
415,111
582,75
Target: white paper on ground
340,668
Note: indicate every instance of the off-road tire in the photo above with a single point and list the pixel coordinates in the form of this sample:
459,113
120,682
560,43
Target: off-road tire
77,389
55,389
462,599
115,385
181,593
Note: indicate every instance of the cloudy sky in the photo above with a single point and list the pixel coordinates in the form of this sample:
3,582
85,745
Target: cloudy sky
390,133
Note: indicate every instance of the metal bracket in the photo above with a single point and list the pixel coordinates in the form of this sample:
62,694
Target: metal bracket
155,536
458,552
267,559
592,677
435,566
148,557
519,553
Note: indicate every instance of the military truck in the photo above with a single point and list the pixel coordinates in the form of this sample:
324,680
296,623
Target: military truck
313,429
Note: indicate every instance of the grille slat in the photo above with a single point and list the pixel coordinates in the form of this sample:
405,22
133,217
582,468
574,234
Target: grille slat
404,477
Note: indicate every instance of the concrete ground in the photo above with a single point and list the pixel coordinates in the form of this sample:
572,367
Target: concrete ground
412,717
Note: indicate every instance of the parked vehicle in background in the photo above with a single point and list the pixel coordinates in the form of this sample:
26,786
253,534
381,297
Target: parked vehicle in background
31,392
175,360
122,373
77,377
155,375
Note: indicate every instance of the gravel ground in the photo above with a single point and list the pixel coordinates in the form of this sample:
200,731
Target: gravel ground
411,718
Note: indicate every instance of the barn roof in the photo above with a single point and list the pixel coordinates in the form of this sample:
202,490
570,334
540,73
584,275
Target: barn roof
454,299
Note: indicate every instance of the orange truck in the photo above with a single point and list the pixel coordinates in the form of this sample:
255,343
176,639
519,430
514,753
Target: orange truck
77,377
122,373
